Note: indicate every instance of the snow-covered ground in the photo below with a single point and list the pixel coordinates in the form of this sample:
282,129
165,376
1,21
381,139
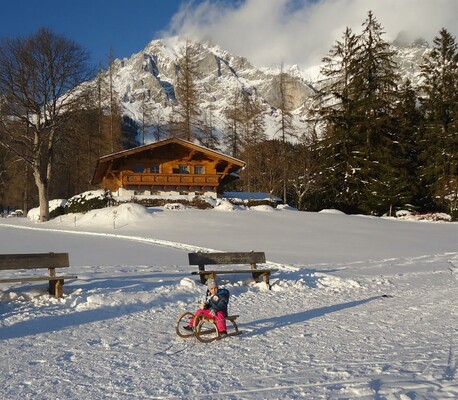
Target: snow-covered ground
360,308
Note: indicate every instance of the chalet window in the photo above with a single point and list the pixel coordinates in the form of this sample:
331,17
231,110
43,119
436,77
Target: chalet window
183,169
155,168
139,168
199,170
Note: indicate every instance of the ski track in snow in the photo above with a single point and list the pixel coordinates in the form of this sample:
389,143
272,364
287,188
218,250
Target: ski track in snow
313,336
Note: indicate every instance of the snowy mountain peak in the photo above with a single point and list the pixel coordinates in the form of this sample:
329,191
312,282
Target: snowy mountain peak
147,80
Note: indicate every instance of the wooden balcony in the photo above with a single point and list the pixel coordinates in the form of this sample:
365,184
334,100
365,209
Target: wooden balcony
151,179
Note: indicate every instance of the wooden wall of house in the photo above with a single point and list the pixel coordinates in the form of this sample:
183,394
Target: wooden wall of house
168,158
165,166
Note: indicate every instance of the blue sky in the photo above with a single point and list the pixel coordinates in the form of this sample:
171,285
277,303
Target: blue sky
126,26
267,32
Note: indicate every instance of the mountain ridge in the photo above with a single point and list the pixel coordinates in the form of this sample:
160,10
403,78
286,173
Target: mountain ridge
146,80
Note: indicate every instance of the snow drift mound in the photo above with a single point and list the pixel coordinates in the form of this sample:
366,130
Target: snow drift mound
124,214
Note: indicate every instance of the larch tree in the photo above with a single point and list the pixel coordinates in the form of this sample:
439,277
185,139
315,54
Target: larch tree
286,129
187,93
39,77
146,113
114,111
158,123
251,118
209,132
306,170
232,135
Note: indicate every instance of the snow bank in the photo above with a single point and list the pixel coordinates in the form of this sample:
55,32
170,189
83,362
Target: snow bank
122,215
262,208
331,211
34,213
224,205
286,207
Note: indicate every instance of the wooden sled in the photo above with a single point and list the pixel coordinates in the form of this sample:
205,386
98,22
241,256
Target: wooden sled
204,328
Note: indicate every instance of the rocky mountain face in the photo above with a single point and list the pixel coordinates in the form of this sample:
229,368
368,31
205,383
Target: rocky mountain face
145,82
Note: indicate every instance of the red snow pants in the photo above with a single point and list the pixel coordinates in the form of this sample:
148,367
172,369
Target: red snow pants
220,319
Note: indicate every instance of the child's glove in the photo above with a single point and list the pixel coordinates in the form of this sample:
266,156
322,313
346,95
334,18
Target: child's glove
215,299
213,312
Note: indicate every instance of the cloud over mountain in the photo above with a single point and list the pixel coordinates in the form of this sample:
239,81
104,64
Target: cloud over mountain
271,32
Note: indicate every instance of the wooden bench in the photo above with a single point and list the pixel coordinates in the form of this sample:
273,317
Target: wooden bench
252,258
51,261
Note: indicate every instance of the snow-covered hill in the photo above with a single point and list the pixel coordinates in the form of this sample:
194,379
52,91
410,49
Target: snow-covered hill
361,308
146,81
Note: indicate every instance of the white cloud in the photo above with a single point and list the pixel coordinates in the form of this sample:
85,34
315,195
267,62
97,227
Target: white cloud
271,32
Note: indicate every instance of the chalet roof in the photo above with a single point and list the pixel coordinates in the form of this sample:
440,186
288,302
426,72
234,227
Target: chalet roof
103,162
185,143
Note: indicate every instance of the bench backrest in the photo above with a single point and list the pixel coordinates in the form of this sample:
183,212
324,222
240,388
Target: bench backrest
32,261
226,258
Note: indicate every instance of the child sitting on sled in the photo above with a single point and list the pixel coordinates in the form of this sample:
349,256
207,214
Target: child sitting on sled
214,307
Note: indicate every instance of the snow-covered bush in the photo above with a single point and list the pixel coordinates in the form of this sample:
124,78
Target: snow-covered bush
87,201
200,202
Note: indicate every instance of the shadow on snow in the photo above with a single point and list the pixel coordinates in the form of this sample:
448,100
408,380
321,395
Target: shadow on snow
268,324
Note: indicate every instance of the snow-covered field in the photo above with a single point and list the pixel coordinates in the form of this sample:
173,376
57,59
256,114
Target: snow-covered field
360,308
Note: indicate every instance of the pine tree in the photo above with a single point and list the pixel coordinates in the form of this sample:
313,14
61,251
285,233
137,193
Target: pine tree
403,182
376,83
358,99
336,103
440,132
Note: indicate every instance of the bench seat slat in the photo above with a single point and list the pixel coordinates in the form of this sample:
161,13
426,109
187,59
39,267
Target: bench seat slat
235,271
38,278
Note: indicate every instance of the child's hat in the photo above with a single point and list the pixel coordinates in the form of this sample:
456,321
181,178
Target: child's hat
211,283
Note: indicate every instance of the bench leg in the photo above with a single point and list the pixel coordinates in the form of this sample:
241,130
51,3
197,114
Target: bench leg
267,280
255,274
56,288
203,278
266,277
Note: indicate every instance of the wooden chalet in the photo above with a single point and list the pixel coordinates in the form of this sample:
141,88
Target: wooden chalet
171,166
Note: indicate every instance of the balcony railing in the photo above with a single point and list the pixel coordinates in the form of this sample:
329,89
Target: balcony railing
151,179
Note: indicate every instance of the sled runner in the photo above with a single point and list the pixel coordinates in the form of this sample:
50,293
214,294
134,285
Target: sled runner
204,328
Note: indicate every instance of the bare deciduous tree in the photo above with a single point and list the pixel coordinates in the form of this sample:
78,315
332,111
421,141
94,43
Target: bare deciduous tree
39,79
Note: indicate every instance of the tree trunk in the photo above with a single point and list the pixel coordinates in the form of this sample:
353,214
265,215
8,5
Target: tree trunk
43,196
